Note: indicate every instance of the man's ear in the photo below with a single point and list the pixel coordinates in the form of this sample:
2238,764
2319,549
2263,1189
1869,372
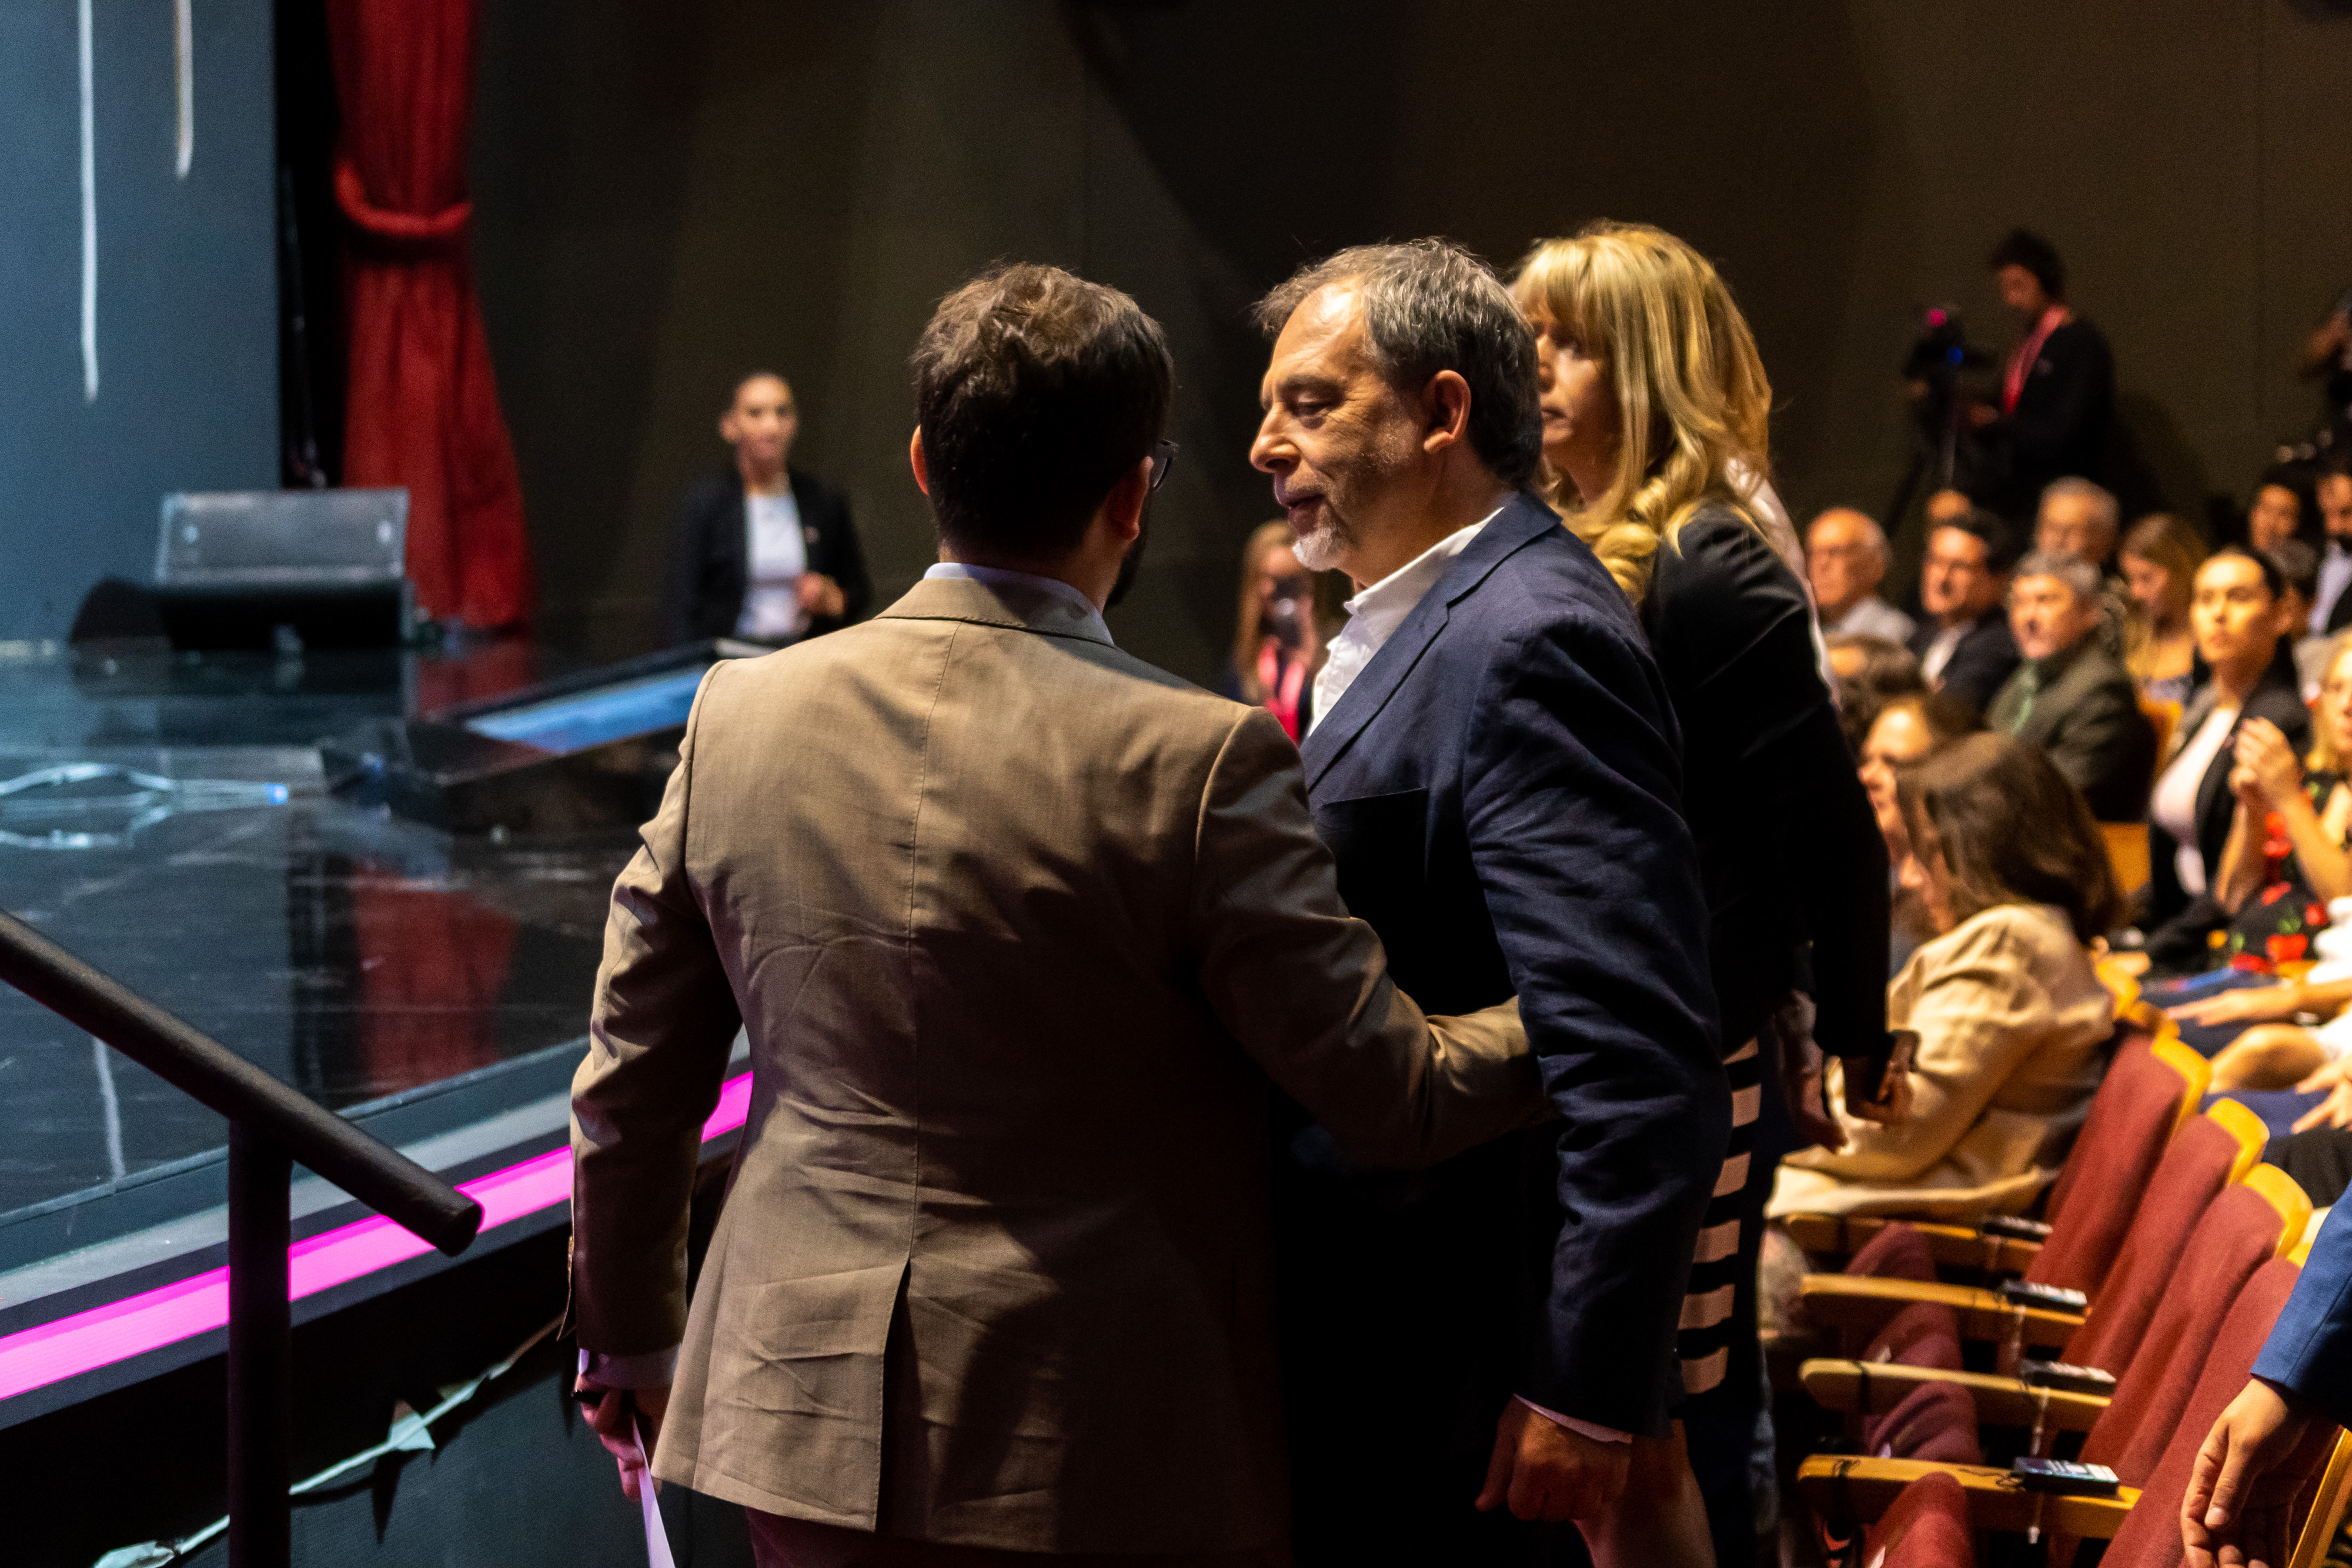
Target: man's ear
1124,505
727,427
1446,411
915,461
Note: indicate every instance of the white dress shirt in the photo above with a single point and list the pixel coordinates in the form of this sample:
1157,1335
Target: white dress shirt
1377,612
1939,652
2334,576
776,555
1084,616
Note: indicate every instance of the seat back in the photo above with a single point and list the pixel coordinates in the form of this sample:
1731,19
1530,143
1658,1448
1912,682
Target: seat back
2149,1089
2150,1536
1939,1420
2246,1226
2127,855
2209,1153
1927,1528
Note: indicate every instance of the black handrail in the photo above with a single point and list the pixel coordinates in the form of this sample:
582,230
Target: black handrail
271,1125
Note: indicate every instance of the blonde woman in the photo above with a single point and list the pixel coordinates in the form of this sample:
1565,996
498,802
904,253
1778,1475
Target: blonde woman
2160,556
1654,426
1281,630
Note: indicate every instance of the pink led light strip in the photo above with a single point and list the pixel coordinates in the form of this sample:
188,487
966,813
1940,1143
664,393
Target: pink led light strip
36,1357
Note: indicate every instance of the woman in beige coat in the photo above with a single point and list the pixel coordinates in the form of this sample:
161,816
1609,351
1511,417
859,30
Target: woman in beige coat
2012,1024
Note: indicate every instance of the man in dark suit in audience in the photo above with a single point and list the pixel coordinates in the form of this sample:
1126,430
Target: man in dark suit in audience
762,550
1494,763
2069,696
1966,650
2331,606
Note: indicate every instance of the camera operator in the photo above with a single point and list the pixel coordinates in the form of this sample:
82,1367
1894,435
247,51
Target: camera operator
2057,390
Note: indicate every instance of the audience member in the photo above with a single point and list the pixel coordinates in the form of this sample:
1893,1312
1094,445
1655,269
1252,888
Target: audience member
2298,566
1281,632
2239,616
2331,607
1966,650
2326,357
2161,556
2289,855
1631,318
2078,518
1868,671
764,551
2069,696
2013,1023
1846,555
2058,390
1910,727
2280,511
1948,507
1493,767
1010,1289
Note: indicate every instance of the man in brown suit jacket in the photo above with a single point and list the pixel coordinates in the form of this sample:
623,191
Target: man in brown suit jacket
1021,928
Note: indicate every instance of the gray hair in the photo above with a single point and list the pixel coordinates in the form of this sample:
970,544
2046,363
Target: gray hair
2073,571
1429,306
2098,495
1873,534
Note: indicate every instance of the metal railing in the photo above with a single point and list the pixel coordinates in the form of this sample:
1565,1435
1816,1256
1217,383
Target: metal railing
270,1127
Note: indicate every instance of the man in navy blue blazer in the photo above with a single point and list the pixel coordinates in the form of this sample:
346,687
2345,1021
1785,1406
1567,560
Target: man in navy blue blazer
2240,1497
1495,765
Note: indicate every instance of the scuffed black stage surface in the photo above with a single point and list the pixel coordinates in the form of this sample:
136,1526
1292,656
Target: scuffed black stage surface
419,981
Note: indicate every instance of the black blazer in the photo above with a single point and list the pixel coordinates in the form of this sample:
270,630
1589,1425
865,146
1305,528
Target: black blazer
1501,790
1983,662
2275,700
2089,722
1788,847
2063,413
2339,614
710,559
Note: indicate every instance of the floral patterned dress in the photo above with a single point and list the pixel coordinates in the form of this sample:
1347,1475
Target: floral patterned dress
2275,926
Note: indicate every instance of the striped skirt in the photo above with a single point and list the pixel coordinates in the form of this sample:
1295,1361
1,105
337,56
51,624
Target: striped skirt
1704,1344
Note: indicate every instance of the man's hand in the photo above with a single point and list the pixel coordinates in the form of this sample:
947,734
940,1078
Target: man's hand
2335,1111
1546,1472
2236,1513
821,596
612,1415
2253,1004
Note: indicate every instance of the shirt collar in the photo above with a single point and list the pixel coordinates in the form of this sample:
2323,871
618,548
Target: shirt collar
1380,609
1005,577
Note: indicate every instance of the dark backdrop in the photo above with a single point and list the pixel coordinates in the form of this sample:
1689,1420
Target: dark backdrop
187,302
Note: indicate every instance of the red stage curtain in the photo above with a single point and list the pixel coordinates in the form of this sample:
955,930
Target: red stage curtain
422,409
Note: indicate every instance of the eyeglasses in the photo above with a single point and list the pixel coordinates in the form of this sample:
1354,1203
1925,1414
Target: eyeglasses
1164,458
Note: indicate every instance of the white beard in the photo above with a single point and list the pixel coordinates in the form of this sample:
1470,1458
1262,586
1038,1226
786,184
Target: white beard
1321,550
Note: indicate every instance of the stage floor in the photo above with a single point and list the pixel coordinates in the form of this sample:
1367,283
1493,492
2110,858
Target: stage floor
433,987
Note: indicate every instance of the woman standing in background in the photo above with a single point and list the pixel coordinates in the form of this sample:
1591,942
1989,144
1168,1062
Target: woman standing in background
1284,626
1654,410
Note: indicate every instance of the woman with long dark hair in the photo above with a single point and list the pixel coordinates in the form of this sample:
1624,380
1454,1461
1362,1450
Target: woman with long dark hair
1655,411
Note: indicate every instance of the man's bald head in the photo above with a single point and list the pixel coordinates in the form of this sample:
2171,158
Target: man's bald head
1845,554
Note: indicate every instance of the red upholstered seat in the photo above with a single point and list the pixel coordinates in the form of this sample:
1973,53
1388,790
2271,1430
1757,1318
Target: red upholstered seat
2131,1120
1935,1421
2196,1166
2238,1235
1927,1528
2150,1536
1898,1252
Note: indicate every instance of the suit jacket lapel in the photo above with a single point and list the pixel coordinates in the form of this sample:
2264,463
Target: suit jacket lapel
1521,520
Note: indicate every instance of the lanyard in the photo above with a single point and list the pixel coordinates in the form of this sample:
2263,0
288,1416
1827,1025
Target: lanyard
2012,381
1282,680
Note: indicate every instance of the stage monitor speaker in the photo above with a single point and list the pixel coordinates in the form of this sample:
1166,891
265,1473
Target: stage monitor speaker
285,570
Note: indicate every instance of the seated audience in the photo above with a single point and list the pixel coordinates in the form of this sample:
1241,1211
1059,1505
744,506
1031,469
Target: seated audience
1846,555
2331,607
2161,556
2239,614
2070,697
2078,518
2011,1022
1908,727
2298,565
1964,650
1283,631
764,551
1868,672
2288,857
2280,511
